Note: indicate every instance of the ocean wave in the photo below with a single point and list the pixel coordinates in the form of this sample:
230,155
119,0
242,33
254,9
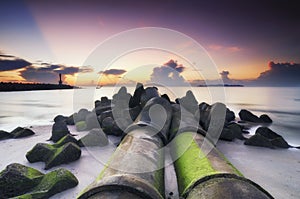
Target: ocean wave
39,105
244,104
276,111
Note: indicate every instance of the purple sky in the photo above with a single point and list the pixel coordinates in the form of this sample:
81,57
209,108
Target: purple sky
242,37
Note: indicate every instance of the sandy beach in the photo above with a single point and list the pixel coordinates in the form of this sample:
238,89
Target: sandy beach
277,171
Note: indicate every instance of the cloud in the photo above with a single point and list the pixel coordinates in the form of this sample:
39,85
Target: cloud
9,62
173,64
280,74
86,69
67,70
48,73
43,74
6,56
113,72
168,74
231,49
224,75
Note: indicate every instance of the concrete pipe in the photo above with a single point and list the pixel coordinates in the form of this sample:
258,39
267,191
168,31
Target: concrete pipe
202,174
136,169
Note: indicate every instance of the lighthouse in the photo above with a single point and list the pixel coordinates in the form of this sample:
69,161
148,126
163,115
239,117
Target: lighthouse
60,81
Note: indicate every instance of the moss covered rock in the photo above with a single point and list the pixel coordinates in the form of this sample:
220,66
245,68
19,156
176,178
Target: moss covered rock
41,152
64,154
51,184
64,140
17,179
81,126
96,137
64,151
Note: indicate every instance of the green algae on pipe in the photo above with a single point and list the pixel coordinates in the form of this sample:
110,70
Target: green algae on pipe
136,169
203,171
209,176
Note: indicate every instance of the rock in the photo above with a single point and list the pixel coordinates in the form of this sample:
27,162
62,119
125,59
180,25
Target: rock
105,101
59,130
17,179
81,126
20,132
64,151
96,137
100,109
149,92
70,120
107,123
134,112
110,127
17,130
60,118
204,118
64,154
259,140
135,100
249,117
236,131
265,137
276,140
165,96
104,115
217,111
52,183
41,152
80,116
227,134
92,121
230,116
189,102
4,135
64,140
122,95
97,103
265,118
203,106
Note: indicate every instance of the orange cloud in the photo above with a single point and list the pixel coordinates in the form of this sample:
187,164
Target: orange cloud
231,49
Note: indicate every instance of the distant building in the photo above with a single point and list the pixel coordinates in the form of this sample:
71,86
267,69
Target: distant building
60,81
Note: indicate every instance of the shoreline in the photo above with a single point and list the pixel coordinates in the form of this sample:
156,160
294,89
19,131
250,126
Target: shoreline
273,169
276,170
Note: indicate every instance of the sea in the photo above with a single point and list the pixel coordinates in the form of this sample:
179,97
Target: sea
31,108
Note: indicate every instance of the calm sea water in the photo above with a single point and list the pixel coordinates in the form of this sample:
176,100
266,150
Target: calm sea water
40,107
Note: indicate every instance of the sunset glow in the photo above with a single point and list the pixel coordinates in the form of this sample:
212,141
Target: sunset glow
67,33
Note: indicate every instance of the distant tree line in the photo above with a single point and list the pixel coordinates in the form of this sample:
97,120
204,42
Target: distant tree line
12,86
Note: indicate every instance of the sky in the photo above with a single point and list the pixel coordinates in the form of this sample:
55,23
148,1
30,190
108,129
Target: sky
250,42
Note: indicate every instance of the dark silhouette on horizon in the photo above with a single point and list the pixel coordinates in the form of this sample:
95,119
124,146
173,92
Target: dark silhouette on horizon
60,81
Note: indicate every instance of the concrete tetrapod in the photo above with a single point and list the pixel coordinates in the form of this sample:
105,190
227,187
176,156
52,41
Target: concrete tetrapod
136,169
206,174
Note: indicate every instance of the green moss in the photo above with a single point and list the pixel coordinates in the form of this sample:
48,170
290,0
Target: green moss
192,164
66,139
64,154
18,179
52,183
81,126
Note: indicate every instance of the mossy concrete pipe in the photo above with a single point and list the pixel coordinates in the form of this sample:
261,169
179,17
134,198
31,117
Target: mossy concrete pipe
136,169
205,174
